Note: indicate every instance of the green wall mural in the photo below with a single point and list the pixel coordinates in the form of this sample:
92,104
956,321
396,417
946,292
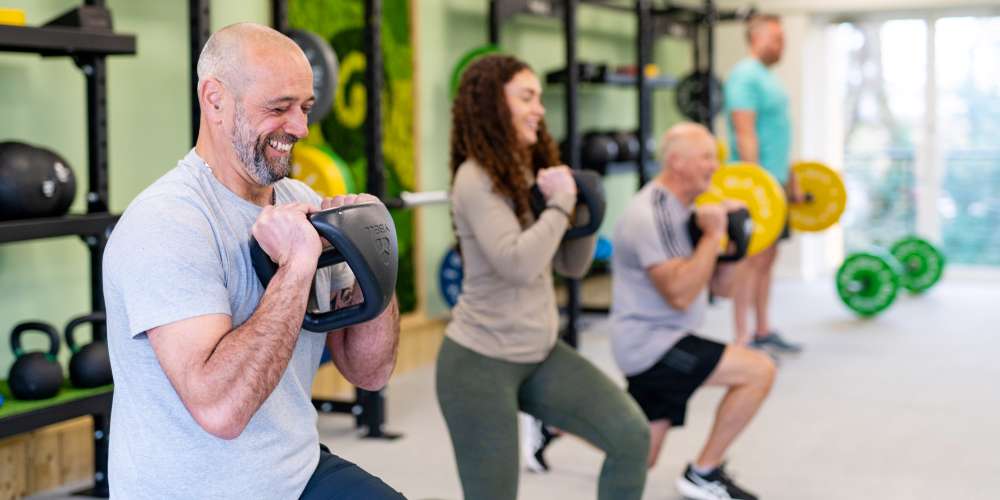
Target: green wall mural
341,22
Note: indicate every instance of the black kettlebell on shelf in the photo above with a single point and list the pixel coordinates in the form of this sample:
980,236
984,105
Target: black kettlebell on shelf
35,375
90,365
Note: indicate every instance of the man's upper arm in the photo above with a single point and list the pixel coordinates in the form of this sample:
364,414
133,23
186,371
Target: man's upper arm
662,273
740,93
183,346
661,243
165,265
744,121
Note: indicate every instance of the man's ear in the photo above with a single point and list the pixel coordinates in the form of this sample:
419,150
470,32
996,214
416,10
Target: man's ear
211,97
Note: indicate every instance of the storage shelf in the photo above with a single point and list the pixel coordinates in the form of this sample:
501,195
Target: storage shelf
624,167
615,79
59,41
17,417
51,227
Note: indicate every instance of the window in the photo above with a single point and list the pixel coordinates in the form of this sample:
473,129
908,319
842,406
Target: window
921,104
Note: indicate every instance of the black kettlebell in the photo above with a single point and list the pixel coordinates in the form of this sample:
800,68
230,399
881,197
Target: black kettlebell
90,365
599,149
35,375
628,145
739,229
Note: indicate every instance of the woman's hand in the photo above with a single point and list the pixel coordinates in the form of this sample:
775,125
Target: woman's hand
555,180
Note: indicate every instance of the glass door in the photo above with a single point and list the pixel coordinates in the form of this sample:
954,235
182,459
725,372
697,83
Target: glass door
967,131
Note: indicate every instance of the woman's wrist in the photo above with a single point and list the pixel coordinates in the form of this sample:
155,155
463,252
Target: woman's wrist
553,206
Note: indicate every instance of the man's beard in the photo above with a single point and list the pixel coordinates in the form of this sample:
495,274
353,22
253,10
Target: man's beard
251,151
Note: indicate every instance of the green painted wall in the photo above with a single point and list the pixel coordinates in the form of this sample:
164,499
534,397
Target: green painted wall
449,28
42,102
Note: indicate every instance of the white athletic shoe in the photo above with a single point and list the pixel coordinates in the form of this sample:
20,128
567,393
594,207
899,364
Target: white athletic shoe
716,485
534,439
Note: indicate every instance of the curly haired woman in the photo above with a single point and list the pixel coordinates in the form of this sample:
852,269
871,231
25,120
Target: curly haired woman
501,353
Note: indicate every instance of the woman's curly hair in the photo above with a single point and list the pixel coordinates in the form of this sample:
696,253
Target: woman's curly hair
482,129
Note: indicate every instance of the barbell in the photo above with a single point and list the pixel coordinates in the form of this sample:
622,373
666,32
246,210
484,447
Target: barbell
822,187
868,282
825,197
760,192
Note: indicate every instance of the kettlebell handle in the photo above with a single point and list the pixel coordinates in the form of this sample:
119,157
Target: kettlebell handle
35,326
364,237
589,193
94,318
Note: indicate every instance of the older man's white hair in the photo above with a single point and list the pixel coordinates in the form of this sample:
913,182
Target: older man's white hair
679,137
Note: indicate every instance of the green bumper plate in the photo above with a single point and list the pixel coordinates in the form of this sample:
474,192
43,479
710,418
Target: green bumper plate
923,264
867,282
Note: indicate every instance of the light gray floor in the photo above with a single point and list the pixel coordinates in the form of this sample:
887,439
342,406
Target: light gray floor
904,406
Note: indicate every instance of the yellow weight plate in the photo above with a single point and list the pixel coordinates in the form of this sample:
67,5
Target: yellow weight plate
14,17
762,194
318,170
721,150
826,197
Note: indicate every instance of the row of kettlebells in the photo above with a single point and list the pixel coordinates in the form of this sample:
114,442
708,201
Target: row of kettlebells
38,375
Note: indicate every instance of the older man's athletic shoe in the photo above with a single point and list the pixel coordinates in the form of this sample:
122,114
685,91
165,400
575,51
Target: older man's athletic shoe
775,341
716,485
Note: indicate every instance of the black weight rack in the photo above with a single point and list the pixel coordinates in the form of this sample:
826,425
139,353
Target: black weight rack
88,49
367,407
653,20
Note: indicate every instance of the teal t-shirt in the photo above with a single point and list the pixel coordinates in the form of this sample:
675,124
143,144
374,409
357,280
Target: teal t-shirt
753,87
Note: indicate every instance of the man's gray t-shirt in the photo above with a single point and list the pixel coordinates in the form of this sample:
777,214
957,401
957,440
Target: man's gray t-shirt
181,250
651,230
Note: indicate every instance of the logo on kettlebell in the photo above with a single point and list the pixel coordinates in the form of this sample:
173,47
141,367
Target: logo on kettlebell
384,248
381,241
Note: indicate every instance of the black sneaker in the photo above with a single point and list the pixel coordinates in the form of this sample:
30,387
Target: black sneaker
716,485
536,438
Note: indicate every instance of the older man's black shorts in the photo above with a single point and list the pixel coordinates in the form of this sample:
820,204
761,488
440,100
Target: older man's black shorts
664,389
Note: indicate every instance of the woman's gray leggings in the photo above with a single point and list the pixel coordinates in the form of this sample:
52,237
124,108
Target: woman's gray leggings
480,397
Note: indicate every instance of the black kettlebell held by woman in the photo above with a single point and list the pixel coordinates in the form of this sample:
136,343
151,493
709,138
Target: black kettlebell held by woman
35,375
90,365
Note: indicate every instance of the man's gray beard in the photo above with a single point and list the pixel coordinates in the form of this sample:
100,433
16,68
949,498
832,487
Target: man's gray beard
251,152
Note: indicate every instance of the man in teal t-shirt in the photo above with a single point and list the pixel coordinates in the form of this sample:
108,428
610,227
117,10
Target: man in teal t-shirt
760,132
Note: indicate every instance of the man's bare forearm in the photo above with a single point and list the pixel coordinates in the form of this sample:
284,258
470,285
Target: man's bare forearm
748,148
727,277
248,362
697,271
744,123
366,353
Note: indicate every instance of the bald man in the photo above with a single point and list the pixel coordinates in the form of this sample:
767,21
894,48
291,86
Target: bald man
760,132
213,373
659,285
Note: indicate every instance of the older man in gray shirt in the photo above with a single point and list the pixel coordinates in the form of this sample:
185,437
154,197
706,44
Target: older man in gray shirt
213,373
660,293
